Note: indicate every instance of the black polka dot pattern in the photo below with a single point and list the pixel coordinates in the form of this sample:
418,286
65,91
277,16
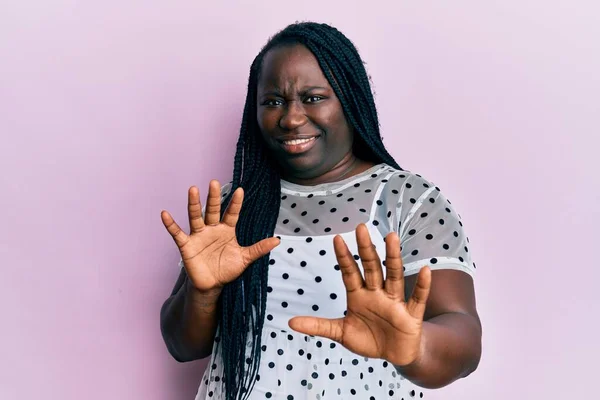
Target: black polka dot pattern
304,278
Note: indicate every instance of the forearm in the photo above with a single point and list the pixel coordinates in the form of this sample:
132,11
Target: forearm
189,323
450,350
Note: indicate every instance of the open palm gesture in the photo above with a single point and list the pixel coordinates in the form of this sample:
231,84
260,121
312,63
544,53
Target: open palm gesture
211,253
379,323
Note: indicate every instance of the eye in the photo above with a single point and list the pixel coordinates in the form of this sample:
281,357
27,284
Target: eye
272,102
314,99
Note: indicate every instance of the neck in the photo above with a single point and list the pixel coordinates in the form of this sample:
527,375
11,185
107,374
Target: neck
349,166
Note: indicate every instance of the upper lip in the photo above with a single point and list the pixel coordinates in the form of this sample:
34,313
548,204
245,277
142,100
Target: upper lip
285,138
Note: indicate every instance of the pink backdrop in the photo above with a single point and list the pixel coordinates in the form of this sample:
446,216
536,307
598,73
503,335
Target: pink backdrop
110,110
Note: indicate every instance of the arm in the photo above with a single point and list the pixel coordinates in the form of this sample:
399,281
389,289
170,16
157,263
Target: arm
188,321
213,258
451,337
432,336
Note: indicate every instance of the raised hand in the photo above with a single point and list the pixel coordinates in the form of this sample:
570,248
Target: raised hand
379,323
211,253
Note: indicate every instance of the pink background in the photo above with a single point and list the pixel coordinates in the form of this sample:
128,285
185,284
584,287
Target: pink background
110,110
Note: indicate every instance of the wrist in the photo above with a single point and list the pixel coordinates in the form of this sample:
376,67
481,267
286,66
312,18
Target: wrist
204,298
419,357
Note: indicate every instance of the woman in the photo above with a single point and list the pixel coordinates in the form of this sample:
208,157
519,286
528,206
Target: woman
341,275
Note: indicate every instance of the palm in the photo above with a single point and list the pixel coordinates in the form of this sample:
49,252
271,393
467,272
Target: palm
213,256
379,323
382,322
211,253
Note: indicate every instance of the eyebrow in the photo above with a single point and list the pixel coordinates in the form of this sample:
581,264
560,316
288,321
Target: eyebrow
276,91
313,88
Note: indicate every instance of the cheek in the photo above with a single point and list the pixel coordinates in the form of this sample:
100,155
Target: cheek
337,124
266,121
343,124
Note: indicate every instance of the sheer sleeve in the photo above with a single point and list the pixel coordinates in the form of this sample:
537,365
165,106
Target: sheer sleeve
430,229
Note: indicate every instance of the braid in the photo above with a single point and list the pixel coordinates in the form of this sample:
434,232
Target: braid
243,301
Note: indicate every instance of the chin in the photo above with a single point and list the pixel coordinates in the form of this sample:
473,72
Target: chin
303,167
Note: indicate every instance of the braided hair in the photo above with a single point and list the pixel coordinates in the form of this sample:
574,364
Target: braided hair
243,301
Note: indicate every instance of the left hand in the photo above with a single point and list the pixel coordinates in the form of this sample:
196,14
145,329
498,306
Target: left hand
379,323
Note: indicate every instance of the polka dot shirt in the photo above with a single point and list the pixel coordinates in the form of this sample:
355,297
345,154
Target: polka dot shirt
304,279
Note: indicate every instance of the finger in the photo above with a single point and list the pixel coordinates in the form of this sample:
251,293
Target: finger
328,328
195,210
176,232
232,213
212,214
350,273
369,258
418,300
257,250
394,276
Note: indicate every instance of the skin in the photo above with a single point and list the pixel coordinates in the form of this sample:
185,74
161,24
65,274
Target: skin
212,258
425,324
296,100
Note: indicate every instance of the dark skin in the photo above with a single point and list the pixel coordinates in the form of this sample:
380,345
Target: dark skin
295,100
425,324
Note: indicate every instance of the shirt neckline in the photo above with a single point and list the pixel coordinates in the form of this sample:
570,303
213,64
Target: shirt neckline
329,187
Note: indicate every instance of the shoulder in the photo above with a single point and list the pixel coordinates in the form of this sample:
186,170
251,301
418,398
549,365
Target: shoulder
429,226
417,202
407,186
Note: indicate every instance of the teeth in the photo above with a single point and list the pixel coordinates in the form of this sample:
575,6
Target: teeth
297,141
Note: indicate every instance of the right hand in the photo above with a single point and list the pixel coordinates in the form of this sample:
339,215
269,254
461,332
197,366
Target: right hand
211,254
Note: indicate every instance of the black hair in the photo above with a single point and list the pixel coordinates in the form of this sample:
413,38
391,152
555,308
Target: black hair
243,301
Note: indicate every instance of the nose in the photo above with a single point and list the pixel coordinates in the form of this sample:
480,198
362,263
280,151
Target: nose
293,117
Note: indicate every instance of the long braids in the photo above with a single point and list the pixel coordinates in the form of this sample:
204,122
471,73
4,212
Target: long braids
243,301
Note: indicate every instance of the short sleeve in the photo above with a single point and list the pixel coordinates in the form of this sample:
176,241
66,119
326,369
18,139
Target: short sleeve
430,229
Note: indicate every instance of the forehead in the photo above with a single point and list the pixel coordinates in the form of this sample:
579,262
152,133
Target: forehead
292,64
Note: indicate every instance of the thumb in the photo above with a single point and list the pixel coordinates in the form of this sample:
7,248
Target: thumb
262,248
328,328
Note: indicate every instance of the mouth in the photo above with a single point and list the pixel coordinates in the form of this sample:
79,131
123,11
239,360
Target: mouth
298,145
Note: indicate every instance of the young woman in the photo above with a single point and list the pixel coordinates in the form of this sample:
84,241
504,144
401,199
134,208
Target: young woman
332,273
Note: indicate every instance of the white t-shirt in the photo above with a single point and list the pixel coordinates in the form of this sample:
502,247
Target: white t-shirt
304,279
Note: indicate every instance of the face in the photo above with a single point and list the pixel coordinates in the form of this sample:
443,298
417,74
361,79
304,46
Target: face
299,115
